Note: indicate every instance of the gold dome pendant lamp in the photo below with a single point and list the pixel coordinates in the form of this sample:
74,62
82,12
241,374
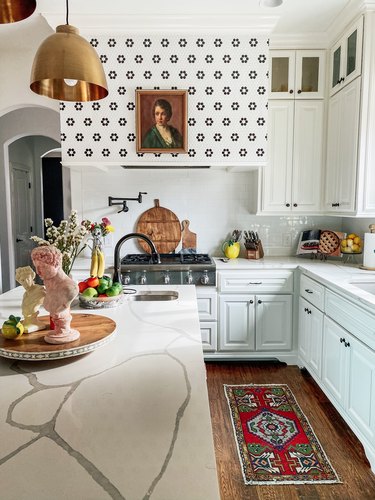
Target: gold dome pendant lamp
67,68
12,11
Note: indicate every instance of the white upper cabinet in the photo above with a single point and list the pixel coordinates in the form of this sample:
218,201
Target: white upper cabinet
342,146
297,74
346,57
291,182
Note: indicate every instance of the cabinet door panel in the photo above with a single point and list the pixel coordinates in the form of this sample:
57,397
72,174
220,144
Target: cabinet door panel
209,335
361,389
237,323
333,153
307,155
282,74
316,340
277,175
304,330
273,322
349,126
334,352
310,74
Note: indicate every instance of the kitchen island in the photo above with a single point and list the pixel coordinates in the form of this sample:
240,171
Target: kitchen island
129,420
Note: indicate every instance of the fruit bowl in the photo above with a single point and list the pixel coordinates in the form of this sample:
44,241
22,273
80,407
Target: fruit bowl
352,244
100,302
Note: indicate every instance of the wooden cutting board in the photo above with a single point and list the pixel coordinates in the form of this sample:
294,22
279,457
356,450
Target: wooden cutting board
162,226
189,239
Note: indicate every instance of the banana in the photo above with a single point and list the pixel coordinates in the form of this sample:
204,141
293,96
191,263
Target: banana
94,263
101,264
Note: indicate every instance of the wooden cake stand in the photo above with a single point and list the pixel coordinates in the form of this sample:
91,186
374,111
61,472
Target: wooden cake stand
95,331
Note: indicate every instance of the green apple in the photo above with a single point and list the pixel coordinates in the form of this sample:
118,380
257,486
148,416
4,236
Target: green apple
113,291
90,292
103,285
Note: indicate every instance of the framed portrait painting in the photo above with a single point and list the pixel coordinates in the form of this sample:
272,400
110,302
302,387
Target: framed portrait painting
161,121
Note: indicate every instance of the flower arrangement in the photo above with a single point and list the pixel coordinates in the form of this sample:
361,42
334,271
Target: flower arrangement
98,228
67,237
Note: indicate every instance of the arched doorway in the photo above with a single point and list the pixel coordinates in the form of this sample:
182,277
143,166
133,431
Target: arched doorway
26,134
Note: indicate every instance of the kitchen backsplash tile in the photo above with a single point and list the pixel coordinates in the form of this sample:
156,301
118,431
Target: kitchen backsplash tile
215,202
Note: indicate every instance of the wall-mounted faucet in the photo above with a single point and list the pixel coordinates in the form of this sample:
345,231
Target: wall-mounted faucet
122,201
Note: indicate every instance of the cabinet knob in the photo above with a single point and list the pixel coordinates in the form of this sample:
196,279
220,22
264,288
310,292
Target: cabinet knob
299,91
287,204
347,344
259,301
291,91
295,205
342,340
308,311
251,302
305,309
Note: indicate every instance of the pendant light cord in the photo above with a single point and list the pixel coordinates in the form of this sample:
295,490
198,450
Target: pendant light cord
67,11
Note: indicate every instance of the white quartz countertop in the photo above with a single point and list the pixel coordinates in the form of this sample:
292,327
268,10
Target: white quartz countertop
127,421
334,274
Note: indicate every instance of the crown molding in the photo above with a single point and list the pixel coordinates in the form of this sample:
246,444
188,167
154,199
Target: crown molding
94,24
299,40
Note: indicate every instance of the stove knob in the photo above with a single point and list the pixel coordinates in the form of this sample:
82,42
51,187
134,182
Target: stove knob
189,278
167,278
126,280
205,279
143,278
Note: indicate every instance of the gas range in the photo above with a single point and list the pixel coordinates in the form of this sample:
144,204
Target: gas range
174,268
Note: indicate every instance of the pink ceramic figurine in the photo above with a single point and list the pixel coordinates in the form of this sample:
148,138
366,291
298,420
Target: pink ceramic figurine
60,291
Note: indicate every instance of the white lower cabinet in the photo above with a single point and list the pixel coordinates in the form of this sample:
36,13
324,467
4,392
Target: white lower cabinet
337,346
310,328
255,323
349,376
207,311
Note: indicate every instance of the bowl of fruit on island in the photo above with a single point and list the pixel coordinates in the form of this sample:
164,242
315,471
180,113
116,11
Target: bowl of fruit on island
351,244
95,292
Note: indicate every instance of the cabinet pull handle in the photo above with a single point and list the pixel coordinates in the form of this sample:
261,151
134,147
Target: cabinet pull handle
308,291
347,344
342,340
254,283
291,91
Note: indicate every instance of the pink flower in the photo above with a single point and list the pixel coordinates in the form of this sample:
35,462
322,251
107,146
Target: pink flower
106,221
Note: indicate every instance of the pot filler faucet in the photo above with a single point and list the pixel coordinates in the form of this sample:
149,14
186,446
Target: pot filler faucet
155,257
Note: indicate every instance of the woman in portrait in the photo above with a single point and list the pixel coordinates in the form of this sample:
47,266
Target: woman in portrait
162,135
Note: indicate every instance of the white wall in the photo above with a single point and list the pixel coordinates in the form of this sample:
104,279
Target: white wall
215,201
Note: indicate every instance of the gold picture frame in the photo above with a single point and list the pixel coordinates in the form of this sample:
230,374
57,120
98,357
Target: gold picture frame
161,121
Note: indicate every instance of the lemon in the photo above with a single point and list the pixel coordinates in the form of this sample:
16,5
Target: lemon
351,236
344,243
12,328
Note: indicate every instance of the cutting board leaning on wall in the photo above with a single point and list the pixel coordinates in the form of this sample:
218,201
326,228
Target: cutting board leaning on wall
162,226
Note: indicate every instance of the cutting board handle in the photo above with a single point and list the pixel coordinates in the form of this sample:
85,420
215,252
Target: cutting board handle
157,203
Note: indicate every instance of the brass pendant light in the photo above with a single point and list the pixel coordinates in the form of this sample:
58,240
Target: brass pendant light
12,11
67,68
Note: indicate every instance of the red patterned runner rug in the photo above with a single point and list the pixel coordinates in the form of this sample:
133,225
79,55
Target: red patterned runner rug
275,442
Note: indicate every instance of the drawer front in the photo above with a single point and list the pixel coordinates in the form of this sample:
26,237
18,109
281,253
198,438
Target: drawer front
209,335
207,306
351,317
262,281
312,291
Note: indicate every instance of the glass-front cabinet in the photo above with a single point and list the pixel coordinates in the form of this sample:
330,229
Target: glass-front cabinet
346,57
297,74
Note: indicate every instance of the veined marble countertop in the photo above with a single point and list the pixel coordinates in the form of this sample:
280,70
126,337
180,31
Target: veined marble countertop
128,421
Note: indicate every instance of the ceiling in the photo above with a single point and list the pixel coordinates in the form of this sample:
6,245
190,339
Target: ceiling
294,16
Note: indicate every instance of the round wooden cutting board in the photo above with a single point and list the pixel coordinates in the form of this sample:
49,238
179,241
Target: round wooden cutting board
162,226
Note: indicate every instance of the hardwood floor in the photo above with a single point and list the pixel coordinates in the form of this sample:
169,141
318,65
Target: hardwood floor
341,446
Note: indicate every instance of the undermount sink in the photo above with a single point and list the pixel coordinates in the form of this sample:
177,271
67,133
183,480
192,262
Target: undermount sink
154,295
367,286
